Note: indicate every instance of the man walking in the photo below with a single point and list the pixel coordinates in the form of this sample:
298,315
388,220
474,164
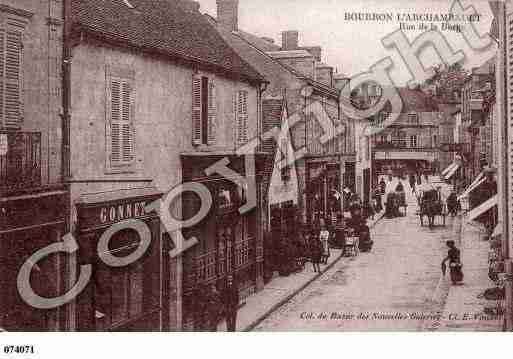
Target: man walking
231,300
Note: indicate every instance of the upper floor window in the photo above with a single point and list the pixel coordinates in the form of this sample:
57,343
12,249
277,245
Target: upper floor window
204,110
413,118
11,48
120,129
241,115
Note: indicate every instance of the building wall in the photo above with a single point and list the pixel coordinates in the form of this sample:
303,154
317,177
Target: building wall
163,126
41,79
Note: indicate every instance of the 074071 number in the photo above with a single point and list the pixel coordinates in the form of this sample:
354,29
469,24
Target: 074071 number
18,349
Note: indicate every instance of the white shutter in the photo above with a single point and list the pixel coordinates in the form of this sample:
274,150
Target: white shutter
127,133
212,112
121,123
196,110
10,74
242,118
115,122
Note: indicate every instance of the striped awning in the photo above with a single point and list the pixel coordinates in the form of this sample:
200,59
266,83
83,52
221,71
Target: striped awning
483,207
479,179
498,230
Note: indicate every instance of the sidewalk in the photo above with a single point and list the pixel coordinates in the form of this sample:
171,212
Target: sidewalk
281,289
463,310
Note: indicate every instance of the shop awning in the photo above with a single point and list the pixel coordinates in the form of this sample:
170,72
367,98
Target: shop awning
452,171
482,208
479,179
497,231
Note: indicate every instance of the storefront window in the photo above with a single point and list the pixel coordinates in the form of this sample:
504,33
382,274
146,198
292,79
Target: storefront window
124,294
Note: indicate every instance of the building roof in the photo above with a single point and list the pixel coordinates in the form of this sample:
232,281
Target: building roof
289,54
164,27
260,60
415,100
259,42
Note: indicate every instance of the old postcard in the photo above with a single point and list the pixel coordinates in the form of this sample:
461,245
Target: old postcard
241,165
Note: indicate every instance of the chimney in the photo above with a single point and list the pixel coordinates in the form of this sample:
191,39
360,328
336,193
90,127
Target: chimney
228,13
290,40
341,82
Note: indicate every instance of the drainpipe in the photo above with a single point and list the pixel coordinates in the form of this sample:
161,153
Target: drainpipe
66,91
66,312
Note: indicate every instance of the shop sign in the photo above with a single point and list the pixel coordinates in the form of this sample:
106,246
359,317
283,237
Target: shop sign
108,213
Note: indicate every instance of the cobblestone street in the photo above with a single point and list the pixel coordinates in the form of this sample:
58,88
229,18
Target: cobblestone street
395,284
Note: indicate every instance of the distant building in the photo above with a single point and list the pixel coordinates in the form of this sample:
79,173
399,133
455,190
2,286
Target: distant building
411,142
477,84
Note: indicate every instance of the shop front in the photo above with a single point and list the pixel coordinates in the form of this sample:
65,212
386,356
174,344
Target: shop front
229,242
323,191
29,223
131,296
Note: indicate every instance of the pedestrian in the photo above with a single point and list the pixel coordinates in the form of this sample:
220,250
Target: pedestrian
213,308
315,252
383,186
413,182
455,265
231,301
324,236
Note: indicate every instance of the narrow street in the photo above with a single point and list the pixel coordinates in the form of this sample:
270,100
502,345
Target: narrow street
394,284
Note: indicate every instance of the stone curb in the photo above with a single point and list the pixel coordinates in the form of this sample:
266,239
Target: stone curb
280,303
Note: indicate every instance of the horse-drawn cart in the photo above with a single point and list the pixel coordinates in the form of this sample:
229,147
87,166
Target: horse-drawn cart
431,205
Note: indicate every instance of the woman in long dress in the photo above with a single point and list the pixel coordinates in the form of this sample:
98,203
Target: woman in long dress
324,238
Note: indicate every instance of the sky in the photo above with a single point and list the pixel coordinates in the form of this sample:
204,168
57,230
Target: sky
352,47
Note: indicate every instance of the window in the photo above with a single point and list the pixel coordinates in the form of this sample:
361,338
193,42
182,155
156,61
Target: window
435,141
11,47
413,118
120,127
413,141
204,110
241,113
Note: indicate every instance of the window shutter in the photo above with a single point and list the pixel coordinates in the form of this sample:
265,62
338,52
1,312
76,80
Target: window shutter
12,77
509,117
115,122
127,133
10,73
121,123
242,118
196,110
212,112
2,75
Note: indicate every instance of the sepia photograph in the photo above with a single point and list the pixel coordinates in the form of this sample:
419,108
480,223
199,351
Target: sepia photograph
255,166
